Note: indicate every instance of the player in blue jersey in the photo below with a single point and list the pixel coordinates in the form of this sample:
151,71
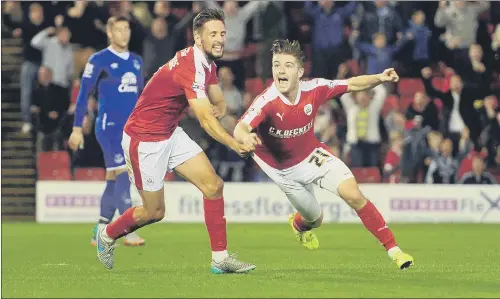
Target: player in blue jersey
115,75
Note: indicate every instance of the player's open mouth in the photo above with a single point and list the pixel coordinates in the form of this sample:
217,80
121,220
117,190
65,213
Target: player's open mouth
217,48
282,80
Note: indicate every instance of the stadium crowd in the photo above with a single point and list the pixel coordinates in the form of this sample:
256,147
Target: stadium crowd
439,124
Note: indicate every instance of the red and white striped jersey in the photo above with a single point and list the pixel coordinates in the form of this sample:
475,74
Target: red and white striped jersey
287,129
164,99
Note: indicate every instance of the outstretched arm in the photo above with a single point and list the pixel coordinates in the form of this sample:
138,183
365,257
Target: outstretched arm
203,109
365,82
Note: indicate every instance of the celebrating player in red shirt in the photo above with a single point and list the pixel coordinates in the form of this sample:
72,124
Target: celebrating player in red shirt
288,152
153,143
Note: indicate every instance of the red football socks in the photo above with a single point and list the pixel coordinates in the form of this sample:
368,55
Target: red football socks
299,224
216,223
375,223
125,224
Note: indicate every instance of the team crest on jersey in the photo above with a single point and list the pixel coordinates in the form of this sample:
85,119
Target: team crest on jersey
331,84
308,109
128,83
137,65
114,65
119,158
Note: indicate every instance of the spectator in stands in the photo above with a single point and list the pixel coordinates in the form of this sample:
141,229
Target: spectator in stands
83,19
328,36
161,9
46,101
444,168
474,71
495,47
478,175
391,170
460,18
233,96
434,140
138,31
458,111
57,54
142,14
490,134
161,44
421,36
86,21
414,149
269,24
236,20
27,29
395,121
380,55
430,152
424,111
363,132
379,17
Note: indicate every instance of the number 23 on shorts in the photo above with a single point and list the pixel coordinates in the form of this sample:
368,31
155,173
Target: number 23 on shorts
319,157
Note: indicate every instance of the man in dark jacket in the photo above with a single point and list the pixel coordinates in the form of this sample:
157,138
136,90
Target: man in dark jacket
424,111
478,175
458,107
33,23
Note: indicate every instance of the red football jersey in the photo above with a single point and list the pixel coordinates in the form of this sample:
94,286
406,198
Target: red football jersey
286,129
163,101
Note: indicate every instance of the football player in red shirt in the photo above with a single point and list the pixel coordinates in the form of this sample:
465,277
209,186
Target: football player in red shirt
153,143
280,121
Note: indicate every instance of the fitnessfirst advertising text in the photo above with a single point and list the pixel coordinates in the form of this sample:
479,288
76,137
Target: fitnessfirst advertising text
265,203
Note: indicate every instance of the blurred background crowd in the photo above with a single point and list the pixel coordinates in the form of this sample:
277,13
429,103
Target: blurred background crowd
439,124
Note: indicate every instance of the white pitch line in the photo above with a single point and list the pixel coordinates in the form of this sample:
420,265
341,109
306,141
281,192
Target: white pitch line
60,264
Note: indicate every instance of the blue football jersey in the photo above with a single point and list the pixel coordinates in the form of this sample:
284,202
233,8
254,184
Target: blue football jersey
117,81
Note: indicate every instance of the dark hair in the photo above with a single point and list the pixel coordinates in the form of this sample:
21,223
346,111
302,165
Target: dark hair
113,20
284,46
207,14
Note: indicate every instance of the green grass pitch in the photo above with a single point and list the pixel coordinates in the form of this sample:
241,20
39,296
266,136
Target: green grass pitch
452,260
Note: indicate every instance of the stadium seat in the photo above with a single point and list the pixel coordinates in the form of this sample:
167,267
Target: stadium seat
90,174
254,86
391,103
439,83
60,174
410,86
367,174
52,160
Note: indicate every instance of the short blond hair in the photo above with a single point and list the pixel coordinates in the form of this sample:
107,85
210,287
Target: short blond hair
113,20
